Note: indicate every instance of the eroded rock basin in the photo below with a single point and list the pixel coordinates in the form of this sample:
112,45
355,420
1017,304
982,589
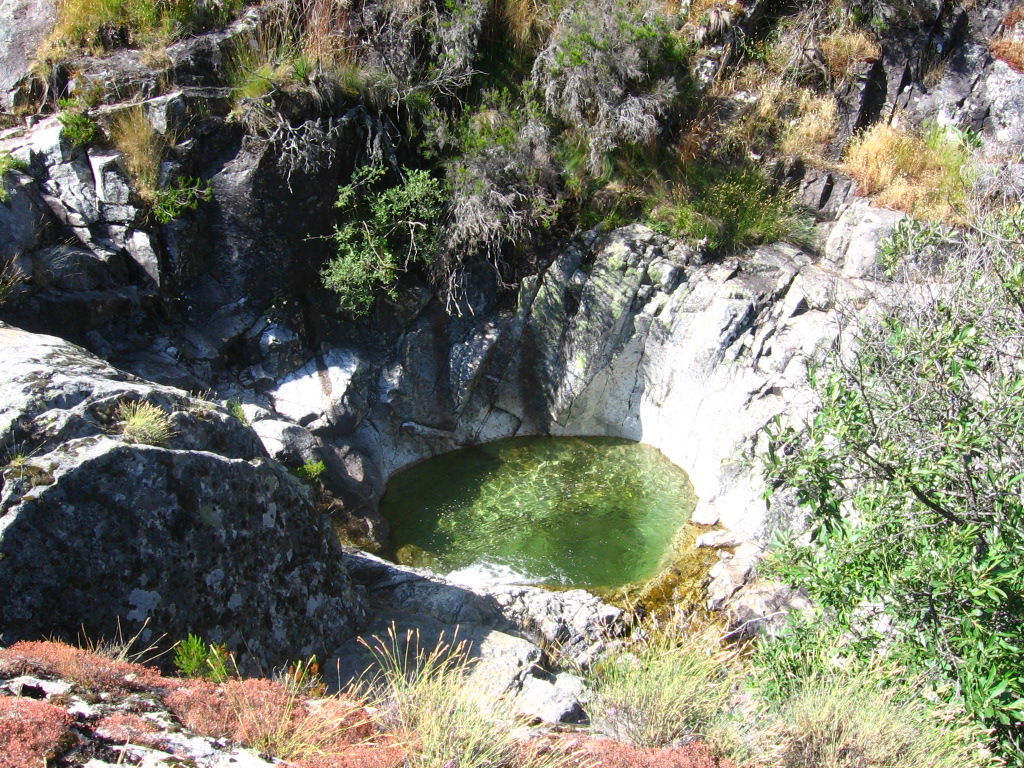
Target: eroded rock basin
592,512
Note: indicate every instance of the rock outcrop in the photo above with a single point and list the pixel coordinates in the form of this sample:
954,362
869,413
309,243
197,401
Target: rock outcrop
202,535
509,632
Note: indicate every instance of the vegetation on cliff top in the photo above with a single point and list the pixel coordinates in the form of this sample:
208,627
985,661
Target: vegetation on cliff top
532,120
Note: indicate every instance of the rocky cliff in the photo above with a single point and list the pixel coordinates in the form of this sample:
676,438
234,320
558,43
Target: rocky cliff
624,332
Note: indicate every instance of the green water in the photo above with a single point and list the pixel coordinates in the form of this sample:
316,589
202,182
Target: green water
584,512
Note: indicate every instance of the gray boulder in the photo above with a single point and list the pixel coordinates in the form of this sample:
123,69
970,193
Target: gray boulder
24,25
94,530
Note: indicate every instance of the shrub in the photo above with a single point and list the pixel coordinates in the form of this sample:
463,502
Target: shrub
271,719
915,243
911,475
384,229
32,733
310,472
78,127
143,422
420,53
503,186
1011,52
58,660
193,657
8,163
425,696
662,689
922,174
612,72
185,194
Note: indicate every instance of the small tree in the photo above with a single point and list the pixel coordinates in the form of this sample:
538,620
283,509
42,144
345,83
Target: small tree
384,229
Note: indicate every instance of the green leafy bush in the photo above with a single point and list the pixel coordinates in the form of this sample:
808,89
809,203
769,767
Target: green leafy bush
912,471
914,242
194,657
385,228
311,471
78,127
8,163
183,195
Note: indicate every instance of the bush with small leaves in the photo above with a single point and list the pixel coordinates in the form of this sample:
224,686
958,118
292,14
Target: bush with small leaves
310,471
78,127
385,228
183,195
911,473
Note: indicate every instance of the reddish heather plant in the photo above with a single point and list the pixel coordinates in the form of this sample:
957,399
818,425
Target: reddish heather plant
1011,52
604,753
360,756
268,716
31,732
1013,17
52,659
124,726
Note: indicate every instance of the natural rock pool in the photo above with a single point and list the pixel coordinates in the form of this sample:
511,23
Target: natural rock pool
593,512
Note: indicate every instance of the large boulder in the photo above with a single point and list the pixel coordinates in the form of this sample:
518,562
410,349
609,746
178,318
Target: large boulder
175,538
24,25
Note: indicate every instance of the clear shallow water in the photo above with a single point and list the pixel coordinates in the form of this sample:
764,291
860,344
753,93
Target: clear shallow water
584,512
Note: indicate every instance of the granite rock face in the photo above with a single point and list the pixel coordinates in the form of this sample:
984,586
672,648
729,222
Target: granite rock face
628,335
94,529
502,629
24,25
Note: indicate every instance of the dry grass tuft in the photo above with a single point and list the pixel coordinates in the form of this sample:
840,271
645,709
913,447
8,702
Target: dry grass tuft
11,276
31,732
143,148
848,722
846,47
424,697
57,660
668,686
922,175
815,125
526,21
1011,52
